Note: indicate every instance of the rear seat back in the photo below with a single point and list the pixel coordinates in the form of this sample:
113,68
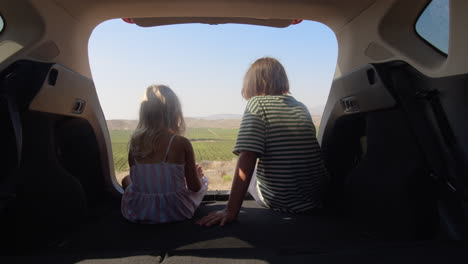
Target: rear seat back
436,111
390,190
15,94
43,197
379,173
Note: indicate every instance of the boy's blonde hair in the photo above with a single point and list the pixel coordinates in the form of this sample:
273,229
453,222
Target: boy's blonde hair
266,76
160,111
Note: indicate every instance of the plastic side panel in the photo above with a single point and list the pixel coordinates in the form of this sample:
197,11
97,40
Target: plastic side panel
364,88
60,99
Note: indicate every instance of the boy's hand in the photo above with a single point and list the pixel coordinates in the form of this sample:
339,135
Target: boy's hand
218,217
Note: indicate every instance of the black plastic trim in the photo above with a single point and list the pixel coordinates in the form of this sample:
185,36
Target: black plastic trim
53,75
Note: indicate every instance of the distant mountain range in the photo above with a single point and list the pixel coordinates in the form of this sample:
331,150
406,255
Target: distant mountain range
190,122
317,110
212,121
121,124
220,117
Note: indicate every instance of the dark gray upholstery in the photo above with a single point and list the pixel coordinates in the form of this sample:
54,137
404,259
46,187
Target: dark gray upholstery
260,236
390,190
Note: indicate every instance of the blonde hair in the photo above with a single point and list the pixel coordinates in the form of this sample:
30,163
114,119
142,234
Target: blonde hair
266,76
160,112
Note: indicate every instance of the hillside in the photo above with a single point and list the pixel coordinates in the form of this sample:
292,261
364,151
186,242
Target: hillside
316,119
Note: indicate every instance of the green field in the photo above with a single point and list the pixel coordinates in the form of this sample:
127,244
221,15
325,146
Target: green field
208,144
211,134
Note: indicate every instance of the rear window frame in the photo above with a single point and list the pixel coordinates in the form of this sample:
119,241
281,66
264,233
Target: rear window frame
424,39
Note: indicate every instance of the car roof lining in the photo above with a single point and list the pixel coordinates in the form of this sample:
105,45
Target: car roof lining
365,29
334,14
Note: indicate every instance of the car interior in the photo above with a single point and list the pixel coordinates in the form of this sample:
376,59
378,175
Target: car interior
392,136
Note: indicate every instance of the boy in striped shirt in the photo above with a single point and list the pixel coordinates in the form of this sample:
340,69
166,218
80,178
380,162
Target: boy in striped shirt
277,130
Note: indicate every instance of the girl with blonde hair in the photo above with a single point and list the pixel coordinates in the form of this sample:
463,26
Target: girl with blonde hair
165,184
276,130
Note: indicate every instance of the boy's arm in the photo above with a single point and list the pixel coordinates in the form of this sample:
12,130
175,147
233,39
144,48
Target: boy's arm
243,174
244,170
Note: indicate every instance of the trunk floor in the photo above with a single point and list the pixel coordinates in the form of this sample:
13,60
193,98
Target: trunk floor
259,236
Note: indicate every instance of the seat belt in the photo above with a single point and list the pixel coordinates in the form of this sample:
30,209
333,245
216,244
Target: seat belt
432,130
459,165
418,112
442,125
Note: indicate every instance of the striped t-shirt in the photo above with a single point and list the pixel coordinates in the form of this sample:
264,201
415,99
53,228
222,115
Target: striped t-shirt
290,171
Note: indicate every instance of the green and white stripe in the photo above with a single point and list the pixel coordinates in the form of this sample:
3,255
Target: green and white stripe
290,171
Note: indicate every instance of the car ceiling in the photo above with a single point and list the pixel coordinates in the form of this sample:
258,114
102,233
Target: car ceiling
334,13
367,31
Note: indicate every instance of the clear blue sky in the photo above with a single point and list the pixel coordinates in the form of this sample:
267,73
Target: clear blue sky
205,64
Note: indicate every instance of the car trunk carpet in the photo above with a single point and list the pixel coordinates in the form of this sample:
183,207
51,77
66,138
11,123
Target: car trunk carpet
259,236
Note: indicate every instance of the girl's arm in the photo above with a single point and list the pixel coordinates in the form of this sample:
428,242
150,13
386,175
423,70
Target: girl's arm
131,160
126,181
191,171
243,174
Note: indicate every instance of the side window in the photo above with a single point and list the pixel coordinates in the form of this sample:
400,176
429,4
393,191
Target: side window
1,24
433,24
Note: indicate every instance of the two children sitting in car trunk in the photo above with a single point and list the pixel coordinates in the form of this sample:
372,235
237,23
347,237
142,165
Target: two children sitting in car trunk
166,185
